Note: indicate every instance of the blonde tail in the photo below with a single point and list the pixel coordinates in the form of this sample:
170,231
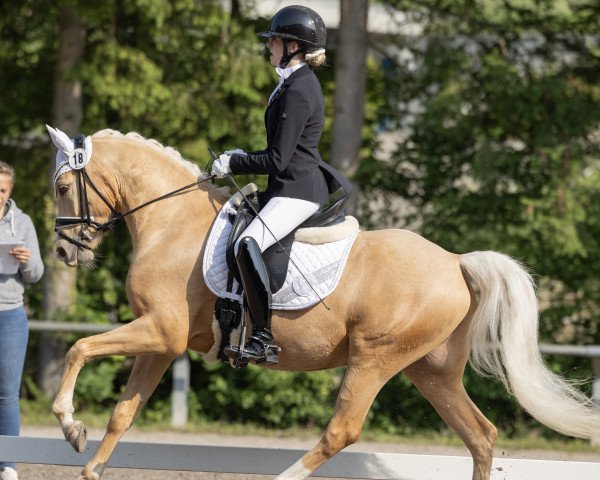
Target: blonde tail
507,316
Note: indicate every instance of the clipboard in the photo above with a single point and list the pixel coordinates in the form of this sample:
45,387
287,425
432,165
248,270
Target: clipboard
9,265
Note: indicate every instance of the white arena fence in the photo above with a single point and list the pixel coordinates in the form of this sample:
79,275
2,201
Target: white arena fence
272,461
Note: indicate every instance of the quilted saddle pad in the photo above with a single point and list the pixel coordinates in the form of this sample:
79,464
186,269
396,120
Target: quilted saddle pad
313,267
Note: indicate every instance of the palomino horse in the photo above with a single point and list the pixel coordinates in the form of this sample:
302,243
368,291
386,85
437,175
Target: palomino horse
403,305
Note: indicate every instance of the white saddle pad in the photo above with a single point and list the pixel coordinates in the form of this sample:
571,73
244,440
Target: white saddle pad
322,265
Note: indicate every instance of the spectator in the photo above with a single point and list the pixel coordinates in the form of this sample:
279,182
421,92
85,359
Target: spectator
16,229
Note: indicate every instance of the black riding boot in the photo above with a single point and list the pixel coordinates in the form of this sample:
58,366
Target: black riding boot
257,290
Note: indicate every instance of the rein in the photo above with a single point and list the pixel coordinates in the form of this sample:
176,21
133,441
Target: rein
85,219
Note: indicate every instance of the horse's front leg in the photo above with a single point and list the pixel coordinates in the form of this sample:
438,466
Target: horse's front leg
140,337
145,375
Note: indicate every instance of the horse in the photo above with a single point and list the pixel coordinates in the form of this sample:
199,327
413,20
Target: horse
403,305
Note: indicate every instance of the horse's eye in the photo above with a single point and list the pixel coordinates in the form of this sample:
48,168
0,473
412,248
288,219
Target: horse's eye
63,189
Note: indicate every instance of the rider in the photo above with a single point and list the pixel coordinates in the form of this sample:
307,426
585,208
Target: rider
299,181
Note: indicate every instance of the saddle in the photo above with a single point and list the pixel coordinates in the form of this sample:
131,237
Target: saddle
275,257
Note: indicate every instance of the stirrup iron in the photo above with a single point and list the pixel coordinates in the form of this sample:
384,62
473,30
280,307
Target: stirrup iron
241,357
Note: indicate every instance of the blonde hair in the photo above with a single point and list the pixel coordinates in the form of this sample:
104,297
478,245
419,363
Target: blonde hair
6,169
315,58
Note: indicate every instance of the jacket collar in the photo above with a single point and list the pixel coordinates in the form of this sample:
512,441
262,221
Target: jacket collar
300,72
286,72
303,70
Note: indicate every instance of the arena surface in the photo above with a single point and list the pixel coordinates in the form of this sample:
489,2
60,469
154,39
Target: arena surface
50,472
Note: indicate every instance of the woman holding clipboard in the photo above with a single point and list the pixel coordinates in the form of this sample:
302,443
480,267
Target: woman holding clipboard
20,263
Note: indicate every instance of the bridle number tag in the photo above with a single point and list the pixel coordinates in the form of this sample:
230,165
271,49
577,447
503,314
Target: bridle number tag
78,159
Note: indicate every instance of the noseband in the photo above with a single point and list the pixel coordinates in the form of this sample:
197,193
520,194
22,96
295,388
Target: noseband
86,219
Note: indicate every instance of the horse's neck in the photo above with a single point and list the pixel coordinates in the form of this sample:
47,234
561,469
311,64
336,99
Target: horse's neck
138,173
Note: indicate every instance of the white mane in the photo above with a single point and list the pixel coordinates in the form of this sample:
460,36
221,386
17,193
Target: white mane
156,145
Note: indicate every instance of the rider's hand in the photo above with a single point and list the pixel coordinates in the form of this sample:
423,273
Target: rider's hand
220,166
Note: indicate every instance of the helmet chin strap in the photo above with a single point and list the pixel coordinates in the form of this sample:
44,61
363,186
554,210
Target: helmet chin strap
287,56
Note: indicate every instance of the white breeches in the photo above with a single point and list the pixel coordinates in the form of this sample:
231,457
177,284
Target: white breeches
281,215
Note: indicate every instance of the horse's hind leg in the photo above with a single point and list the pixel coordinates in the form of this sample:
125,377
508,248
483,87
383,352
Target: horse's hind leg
438,376
359,388
145,375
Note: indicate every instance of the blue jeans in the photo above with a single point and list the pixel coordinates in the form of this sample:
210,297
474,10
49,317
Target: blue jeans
14,333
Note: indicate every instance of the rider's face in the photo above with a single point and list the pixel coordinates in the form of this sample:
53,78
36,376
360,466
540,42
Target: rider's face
275,46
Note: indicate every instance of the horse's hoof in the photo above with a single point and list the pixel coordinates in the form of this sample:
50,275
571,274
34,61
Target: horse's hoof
77,436
91,476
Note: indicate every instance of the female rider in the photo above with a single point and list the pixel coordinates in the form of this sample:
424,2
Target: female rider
17,229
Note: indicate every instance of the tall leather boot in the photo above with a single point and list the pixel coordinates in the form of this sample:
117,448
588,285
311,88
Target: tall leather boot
260,347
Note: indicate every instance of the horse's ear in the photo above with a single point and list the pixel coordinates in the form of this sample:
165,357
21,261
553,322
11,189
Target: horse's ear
60,139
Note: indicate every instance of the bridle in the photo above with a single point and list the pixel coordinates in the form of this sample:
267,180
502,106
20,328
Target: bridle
85,219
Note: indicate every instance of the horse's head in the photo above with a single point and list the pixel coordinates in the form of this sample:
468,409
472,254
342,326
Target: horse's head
82,209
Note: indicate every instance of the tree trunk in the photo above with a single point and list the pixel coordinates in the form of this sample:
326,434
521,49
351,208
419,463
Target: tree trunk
59,283
235,8
350,83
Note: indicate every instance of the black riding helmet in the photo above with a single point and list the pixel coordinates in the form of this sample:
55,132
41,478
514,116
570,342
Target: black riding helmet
298,23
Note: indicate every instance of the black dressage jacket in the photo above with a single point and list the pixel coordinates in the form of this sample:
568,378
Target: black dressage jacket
294,120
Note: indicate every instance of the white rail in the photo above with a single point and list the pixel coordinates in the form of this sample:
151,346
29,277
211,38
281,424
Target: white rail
271,461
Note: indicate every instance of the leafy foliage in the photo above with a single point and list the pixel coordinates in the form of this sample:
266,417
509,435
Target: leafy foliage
269,398
498,108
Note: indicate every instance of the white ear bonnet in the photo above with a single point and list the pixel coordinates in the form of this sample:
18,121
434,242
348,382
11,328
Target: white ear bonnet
68,157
